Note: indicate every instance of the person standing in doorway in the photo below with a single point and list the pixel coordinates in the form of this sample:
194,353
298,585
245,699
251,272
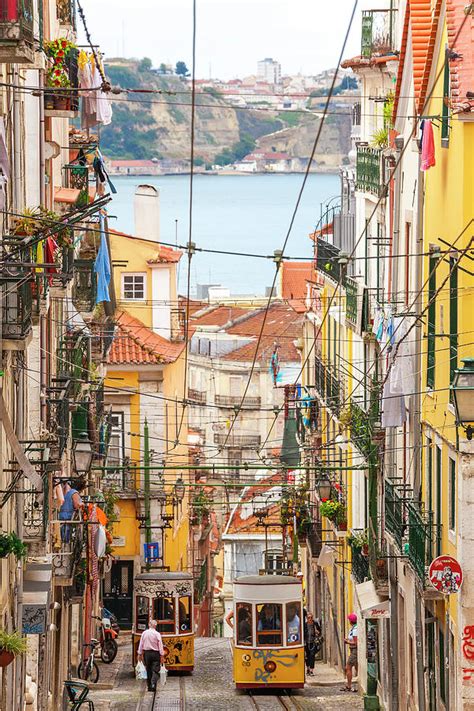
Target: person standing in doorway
352,662
312,642
151,653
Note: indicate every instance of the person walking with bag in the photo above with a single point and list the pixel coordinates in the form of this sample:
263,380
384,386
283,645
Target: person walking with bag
312,642
151,653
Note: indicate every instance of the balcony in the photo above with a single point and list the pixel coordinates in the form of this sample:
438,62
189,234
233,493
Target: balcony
249,403
73,360
84,290
329,386
17,297
232,440
198,396
16,32
76,176
369,178
327,259
66,12
360,565
68,559
360,428
64,102
421,541
315,539
395,512
122,479
377,37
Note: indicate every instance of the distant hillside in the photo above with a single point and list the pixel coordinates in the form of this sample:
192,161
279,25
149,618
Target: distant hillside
146,126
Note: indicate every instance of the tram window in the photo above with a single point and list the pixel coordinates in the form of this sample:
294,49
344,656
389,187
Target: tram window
244,623
163,612
293,623
184,614
142,612
269,624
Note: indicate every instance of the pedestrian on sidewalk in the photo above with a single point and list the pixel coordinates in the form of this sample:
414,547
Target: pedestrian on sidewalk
312,642
151,653
352,662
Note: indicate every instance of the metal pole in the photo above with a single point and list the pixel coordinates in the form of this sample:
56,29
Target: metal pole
146,460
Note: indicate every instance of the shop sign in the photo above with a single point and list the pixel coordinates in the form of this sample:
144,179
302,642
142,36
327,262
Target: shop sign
118,542
445,574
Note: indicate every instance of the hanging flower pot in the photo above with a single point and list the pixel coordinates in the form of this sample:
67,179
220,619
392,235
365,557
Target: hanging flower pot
6,658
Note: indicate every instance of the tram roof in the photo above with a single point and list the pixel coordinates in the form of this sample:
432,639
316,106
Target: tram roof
164,575
267,580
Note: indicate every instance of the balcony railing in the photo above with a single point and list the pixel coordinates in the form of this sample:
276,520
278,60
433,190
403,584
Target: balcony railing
76,176
360,428
249,440
236,400
73,359
17,297
395,512
16,32
315,539
360,565
66,12
352,292
421,540
368,170
65,102
123,479
66,561
327,259
198,396
329,386
377,33
84,289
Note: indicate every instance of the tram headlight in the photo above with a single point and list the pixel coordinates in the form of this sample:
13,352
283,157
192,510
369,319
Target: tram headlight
270,667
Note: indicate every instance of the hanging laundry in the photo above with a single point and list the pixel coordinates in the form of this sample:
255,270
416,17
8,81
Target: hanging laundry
402,372
96,108
102,266
427,146
50,249
393,409
4,159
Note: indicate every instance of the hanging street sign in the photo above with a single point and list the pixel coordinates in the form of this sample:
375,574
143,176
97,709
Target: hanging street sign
445,574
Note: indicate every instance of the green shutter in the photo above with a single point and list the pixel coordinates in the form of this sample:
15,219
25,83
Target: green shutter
453,317
452,494
430,370
79,420
445,106
442,668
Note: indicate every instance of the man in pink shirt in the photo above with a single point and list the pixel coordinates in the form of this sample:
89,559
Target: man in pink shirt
151,652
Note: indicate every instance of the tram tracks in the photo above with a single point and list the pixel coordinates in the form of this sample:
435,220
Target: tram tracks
266,703
170,697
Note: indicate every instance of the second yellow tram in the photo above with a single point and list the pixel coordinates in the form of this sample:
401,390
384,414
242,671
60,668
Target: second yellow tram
268,632
166,597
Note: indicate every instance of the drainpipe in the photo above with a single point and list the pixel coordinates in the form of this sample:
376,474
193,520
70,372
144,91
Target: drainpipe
146,462
16,143
42,161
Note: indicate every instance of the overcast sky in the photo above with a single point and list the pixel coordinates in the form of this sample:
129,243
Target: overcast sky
232,35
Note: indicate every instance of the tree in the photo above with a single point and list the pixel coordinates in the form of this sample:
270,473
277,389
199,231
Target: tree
181,69
145,65
162,68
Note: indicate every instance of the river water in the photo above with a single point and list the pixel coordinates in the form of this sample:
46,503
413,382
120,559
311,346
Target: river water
234,213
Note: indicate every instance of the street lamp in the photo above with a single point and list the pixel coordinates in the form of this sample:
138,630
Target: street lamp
82,454
179,490
463,395
324,487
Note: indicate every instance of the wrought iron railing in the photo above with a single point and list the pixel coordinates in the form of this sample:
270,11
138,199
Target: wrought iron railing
197,396
17,303
84,291
361,428
377,33
395,512
352,291
421,539
77,176
368,170
329,385
73,359
327,256
236,400
360,565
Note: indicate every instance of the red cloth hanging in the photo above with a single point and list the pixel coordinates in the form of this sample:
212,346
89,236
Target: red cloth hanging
50,247
427,147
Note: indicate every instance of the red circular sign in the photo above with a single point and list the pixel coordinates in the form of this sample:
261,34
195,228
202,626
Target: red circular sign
445,574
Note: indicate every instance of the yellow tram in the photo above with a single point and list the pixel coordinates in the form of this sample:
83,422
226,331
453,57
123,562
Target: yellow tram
268,632
166,597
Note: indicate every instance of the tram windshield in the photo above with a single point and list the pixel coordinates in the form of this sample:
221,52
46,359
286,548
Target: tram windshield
163,613
293,623
185,613
269,624
244,623
142,613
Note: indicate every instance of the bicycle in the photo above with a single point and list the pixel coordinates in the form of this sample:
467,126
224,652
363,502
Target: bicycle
88,669
77,693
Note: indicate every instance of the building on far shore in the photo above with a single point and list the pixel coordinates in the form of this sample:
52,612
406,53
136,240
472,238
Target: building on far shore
270,70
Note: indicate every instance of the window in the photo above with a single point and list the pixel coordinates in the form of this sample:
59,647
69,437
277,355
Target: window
452,494
185,613
453,317
293,623
142,613
274,562
407,261
116,451
133,287
235,386
429,473
235,460
163,613
269,625
243,624
431,352
446,99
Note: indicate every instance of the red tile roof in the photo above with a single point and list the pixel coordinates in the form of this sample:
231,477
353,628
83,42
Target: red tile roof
218,315
244,521
365,62
294,276
135,344
462,42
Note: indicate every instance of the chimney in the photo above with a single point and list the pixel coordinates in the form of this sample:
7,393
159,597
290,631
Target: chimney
147,212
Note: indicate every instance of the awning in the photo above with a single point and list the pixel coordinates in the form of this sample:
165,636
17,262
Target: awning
327,557
372,606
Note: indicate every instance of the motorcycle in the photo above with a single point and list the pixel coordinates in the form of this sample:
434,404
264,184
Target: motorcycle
113,620
108,645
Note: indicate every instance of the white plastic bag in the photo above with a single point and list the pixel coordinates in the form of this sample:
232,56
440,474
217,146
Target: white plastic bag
140,671
163,675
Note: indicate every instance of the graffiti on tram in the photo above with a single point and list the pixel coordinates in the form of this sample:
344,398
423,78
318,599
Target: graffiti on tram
178,651
268,661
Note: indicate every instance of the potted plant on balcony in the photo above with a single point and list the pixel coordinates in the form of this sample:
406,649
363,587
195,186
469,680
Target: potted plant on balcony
11,644
58,75
334,511
10,543
27,223
359,540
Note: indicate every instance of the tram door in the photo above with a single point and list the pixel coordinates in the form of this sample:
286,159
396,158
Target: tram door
118,591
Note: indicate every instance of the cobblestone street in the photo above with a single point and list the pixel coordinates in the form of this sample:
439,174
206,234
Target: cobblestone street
210,687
